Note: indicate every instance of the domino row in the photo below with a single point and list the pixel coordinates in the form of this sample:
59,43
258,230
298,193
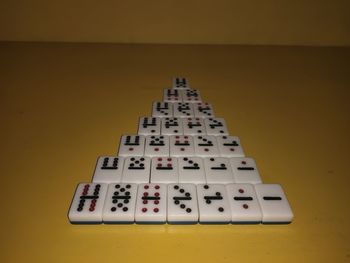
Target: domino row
182,109
180,145
179,204
166,170
179,126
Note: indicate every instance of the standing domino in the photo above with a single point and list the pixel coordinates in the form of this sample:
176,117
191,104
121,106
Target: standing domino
181,145
151,204
164,170
108,169
162,109
245,170
180,83
171,126
120,203
274,204
244,204
193,126
132,145
149,126
213,204
87,204
191,170
218,170
172,95
157,145
182,204
230,146
203,110
205,146
136,170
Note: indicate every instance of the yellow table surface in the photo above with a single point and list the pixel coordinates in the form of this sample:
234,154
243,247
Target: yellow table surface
63,105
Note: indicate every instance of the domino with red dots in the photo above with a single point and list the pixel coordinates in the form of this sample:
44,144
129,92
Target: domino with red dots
164,170
157,145
87,204
245,170
205,146
151,204
181,145
230,146
191,95
193,126
245,208
132,145
172,95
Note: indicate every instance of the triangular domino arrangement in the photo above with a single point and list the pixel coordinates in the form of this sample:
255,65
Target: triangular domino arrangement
183,167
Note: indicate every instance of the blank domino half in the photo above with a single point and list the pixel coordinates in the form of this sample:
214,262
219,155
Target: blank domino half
274,204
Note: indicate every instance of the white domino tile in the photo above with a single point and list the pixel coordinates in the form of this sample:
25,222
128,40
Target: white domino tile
182,205
149,126
203,110
157,145
164,170
132,145
181,145
172,126
205,146
119,207
162,109
151,204
193,126
244,204
245,170
191,170
230,146
181,83
213,204
87,204
136,170
172,95
183,110
274,204
108,169
216,126
218,170
191,96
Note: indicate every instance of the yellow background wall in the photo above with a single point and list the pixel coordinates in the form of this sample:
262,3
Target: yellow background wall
286,22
